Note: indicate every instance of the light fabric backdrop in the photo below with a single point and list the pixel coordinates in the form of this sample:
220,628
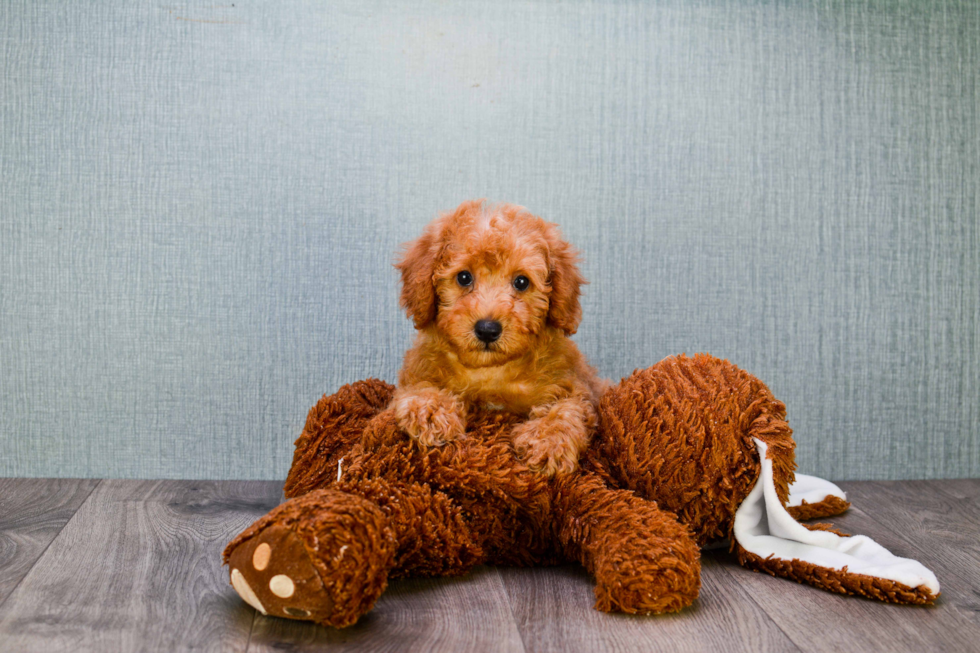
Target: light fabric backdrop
199,206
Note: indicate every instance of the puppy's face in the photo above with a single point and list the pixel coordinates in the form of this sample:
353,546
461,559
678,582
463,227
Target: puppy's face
492,294
489,279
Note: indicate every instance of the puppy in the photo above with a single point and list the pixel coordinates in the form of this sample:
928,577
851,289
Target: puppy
494,294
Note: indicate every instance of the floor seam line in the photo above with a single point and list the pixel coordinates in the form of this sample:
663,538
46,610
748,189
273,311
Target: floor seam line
48,546
510,608
251,629
734,577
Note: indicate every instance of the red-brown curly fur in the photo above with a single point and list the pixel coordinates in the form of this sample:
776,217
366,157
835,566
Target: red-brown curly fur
533,369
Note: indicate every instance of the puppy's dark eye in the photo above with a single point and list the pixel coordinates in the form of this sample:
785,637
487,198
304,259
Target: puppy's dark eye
464,278
521,283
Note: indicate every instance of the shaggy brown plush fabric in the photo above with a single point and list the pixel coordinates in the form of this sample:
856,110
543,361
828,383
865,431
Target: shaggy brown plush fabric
449,508
829,507
670,464
680,433
334,548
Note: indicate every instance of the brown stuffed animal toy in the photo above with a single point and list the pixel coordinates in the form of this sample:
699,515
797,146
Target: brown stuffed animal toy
688,452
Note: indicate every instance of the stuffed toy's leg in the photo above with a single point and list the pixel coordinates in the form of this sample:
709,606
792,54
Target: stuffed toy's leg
326,556
770,539
278,565
643,560
333,426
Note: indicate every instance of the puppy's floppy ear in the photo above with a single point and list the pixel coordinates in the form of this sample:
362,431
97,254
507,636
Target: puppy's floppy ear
564,310
417,266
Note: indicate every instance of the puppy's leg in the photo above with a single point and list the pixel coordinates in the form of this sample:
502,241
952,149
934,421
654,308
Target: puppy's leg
430,415
555,435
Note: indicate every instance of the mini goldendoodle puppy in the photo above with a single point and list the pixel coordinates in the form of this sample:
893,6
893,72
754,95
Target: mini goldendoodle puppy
493,292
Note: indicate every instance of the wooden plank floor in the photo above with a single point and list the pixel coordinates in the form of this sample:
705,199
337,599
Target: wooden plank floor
135,565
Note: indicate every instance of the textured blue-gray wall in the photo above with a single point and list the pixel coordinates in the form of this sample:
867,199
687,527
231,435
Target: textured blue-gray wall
199,206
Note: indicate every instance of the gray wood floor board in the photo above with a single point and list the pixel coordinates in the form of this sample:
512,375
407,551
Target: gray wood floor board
965,493
470,613
936,522
554,611
820,621
139,568
32,513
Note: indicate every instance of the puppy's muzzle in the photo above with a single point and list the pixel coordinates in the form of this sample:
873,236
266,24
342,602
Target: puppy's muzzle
488,330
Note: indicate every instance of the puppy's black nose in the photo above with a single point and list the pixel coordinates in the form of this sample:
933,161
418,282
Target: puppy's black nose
488,330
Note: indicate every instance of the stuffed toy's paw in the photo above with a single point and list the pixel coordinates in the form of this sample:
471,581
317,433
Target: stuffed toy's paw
433,417
322,557
273,573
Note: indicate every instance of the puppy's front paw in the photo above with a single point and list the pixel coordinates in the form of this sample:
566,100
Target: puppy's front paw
546,447
431,416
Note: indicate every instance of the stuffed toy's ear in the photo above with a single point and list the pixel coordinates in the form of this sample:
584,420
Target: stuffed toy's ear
769,539
417,266
564,310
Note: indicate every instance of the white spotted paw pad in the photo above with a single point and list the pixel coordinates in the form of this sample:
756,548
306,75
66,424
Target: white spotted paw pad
241,586
273,573
282,586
